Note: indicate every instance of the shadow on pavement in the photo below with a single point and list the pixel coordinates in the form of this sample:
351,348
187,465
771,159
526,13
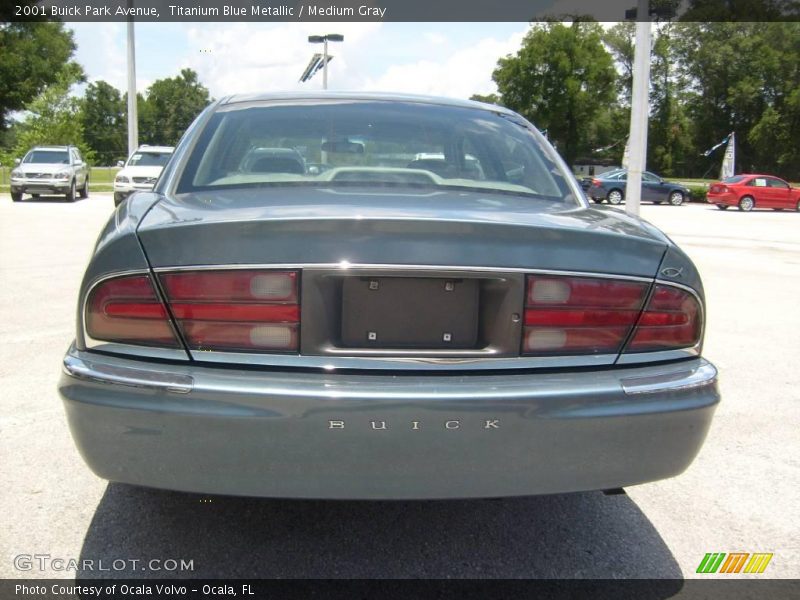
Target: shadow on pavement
585,535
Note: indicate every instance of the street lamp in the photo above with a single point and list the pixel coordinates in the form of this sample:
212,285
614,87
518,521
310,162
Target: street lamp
324,39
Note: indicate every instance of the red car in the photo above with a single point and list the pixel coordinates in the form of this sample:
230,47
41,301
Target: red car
754,191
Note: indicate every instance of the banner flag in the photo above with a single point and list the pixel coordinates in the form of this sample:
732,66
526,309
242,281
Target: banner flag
729,162
710,150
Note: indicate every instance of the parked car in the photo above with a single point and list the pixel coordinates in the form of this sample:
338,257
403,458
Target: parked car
611,187
140,172
51,170
748,191
376,330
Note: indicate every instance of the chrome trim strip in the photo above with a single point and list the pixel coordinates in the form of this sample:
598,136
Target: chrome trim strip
703,375
404,363
345,266
128,376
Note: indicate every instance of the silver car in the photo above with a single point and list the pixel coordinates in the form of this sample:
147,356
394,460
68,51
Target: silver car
382,326
51,170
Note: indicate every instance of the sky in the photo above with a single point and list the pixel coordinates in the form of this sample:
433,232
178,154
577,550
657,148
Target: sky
442,59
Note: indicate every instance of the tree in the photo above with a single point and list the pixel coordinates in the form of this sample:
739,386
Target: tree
743,78
53,117
560,79
104,121
32,56
170,107
669,139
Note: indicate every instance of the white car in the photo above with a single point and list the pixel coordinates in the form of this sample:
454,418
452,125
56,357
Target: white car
141,171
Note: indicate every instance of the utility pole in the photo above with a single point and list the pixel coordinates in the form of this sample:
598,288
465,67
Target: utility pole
133,128
640,109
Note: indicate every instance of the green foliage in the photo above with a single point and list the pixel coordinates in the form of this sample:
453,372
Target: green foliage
32,57
103,116
560,79
53,117
170,107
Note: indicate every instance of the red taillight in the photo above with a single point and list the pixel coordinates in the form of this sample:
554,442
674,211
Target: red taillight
718,189
246,311
596,182
672,319
585,315
127,310
579,315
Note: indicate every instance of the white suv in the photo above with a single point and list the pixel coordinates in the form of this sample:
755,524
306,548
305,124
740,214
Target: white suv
49,170
141,171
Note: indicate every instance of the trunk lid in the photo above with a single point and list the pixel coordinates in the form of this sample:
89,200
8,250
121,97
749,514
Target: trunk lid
314,226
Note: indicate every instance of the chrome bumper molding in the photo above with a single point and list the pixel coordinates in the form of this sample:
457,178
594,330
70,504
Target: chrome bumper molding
129,376
702,375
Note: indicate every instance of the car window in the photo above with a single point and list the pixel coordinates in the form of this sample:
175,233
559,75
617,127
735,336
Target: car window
47,156
734,179
143,158
373,143
77,155
777,183
650,177
758,182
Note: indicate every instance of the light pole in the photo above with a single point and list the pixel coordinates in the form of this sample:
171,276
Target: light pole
324,39
640,108
133,129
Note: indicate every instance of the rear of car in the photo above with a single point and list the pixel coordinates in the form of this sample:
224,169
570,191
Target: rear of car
141,171
434,313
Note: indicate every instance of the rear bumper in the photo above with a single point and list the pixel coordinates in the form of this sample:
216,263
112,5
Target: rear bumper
340,435
726,199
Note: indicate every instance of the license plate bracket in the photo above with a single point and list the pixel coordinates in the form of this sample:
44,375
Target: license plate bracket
410,312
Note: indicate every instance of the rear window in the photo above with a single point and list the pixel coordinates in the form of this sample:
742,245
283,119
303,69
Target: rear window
52,157
373,143
734,179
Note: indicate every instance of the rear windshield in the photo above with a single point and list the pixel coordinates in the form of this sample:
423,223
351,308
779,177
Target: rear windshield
149,159
373,143
52,157
734,179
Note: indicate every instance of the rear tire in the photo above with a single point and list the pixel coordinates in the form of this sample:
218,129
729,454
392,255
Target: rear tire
746,203
614,197
797,208
722,206
676,198
85,188
17,197
71,193
600,200
656,202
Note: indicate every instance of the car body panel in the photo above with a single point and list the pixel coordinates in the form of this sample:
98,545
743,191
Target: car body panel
446,228
332,435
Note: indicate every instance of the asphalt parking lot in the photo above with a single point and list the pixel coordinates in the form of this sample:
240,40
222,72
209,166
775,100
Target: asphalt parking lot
742,494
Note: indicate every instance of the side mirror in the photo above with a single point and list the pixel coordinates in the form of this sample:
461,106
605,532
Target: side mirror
16,162
120,164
